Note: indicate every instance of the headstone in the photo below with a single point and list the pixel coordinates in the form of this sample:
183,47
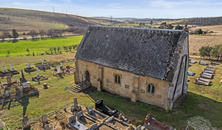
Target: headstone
25,85
93,127
75,102
28,65
42,62
79,114
9,80
37,75
58,70
7,93
44,118
46,127
12,69
4,70
90,110
60,63
72,119
45,86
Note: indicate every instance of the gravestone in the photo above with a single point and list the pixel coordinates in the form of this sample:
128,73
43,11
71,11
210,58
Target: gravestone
93,127
90,110
58,70
42,62
4,70
44,119
45,86
60,63
29,67
7,94
37,75
46,127
75,102
9,80
12,68
25,85
79,114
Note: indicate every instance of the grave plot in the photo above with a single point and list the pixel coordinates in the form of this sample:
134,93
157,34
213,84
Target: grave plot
43,66
84,119
69,70
10,91
29,68
206,75
201,81
59,72
5,72
105,109
39,78
13,71
105,127
151,124
98,116
73,124
26,124
118,124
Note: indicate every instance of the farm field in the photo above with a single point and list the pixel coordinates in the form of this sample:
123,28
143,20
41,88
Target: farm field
58,96
37,46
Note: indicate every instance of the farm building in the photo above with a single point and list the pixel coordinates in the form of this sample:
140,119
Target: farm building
148,65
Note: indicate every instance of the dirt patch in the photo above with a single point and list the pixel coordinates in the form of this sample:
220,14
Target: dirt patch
204,106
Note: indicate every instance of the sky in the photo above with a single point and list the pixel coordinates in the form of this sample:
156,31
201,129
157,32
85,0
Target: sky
124,8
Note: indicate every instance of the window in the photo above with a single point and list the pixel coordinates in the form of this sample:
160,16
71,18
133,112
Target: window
117,79
151,88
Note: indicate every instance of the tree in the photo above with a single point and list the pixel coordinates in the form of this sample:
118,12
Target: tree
213,53
70,48
27,50
205,51
179,27
51,49
42,33
4,35
15,34
33,33
54,49
58,48
8,51
200,31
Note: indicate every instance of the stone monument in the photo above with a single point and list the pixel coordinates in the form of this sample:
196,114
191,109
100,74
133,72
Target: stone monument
42,62
29,67
58,70
12,68
37,75
4,70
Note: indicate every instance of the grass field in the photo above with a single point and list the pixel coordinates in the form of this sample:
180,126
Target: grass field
37,46
57,96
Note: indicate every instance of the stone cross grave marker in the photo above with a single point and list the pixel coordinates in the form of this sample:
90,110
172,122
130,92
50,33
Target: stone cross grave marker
58,69
12,69
42,62
7,93
4,70
60,63
44,118
28,65
37,75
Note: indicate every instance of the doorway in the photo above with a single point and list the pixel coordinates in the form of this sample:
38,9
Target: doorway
87,76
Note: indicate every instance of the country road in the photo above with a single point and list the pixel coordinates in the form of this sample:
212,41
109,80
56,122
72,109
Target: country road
23,38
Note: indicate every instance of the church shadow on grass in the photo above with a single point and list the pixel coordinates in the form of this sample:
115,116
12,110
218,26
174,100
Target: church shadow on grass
194,105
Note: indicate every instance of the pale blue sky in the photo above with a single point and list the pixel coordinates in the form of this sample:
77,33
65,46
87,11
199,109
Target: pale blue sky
125,8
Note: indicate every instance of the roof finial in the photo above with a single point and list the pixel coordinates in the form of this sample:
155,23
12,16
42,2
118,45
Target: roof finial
185,29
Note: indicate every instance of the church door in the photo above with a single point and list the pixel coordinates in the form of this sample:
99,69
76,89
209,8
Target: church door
87,76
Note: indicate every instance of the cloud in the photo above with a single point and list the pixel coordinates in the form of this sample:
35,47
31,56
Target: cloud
115,5
167,4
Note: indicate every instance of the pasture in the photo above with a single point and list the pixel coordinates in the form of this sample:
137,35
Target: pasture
37,45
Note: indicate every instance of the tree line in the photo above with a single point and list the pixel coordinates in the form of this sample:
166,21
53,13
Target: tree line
213,53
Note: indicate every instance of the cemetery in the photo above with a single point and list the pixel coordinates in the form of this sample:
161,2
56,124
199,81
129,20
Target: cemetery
8,72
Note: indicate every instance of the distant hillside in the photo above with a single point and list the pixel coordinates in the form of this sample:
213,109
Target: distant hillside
25,20
199,21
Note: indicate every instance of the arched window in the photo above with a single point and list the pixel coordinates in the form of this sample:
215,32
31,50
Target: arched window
117,79
151,88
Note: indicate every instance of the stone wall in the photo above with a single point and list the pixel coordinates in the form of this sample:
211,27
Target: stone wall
131,85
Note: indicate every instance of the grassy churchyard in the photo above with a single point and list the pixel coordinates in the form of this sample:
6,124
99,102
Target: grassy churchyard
202,107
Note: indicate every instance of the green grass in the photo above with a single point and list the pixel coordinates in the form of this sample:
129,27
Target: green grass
57,97
37,46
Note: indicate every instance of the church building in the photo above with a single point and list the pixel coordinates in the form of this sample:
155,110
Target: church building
147,65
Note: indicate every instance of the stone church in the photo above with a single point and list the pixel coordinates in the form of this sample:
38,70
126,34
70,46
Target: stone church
148,65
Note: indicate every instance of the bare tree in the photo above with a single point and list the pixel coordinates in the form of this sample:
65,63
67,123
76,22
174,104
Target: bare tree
8,51
51,49
33,33
54,49
42,33
4,35
58,48
70,48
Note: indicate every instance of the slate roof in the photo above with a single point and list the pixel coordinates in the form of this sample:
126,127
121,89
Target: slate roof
136,50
